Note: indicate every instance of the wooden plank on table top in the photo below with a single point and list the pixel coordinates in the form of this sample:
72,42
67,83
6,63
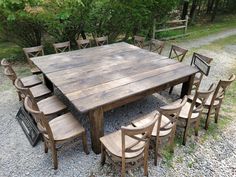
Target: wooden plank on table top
109,96
104,69
120,82
104,60
88,52
83,83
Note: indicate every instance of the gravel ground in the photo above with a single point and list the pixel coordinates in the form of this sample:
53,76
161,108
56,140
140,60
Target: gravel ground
212,157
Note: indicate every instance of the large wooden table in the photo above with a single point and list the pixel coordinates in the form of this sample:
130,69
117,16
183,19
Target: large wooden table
99,79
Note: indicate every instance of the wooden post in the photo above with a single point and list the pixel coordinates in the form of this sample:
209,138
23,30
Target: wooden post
154,29
96,128
186,24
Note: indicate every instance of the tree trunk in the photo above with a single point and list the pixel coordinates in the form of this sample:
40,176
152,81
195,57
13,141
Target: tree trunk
193,10
185,9
215,10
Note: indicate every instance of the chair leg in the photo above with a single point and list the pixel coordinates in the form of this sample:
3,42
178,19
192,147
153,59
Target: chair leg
171,89
172,138
123,169
103,155
54,157
208,119
185,134
85,146
45,147
146,163
156,151
217,114
19,96
197,127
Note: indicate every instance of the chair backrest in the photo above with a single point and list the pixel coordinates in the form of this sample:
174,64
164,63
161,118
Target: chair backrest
62,47
170,111
140,136
139,41
202,57
83,43
33,52
41,120
101,40
10,73
156,46
221,89
5,63
21,89
177,53
199,99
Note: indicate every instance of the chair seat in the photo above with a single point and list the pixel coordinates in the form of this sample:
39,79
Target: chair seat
30,81
113,144
39,91
35,70
208,101
185,110
51,105
147,118
65,127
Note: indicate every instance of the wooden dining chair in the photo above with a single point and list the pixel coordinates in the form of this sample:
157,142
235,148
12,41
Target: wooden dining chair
165,126
214,102
156,46
59,130
128,146
139,41
33,52
62,47
202,63
101,40
192,111
83,43
177,53
28,81
50,105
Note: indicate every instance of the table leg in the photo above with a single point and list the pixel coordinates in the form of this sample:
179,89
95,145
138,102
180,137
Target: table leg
48,83
187,86
96,128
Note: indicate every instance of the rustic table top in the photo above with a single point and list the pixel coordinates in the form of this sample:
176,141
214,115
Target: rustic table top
98,76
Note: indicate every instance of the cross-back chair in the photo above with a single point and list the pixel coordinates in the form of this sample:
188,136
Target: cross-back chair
192,111
101,40
61,129
83,43
214,102
156,46
28,81
50,105
202,63
177,53
139,41
165,126
62,47
33,52
128,147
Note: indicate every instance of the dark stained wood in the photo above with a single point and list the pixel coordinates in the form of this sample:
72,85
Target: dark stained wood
187,86
102,78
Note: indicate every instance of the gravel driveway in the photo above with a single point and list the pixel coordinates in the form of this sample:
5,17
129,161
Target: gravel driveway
212,157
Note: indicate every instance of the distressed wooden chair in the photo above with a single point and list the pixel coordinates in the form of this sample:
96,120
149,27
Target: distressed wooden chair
62,47
192,111
139,41
128,147
83,43
101,40
50,106
177,53
156,46
202,63
61,129
165,126
33,52
28,81
214,102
